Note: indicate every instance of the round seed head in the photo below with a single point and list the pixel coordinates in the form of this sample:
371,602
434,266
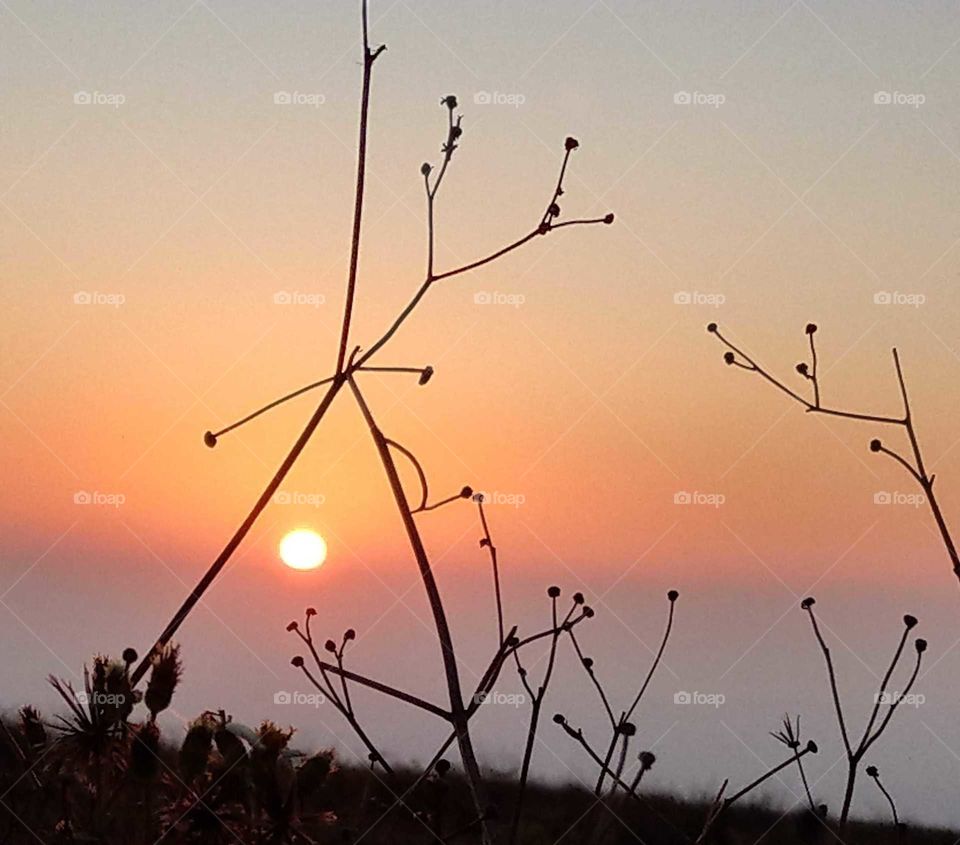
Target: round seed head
873,771
571,144
673,595
588,662
910,621
559,718
297,661
442,767
729,357
466,492
311,611
292,626
811,328
129,655
802,368
450,101
808,602
647,759
812,747
608,219
210,439
588,611
425,169
628,729
875,445
578,598
330,646
425,375
921,646
712,328
553,592
349,634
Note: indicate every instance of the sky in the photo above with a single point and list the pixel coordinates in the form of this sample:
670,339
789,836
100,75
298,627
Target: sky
174,238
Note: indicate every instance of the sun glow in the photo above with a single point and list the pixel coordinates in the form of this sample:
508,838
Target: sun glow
303,549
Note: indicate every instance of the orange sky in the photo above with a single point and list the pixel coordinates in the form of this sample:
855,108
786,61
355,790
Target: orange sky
596,400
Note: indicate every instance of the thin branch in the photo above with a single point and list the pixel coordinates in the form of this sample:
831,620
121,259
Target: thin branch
807,605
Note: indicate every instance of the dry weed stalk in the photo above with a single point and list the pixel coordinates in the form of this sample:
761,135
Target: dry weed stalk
913,464
874,729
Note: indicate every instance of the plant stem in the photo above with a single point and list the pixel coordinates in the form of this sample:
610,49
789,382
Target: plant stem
458,715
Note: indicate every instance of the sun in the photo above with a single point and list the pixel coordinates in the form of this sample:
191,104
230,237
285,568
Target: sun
303,549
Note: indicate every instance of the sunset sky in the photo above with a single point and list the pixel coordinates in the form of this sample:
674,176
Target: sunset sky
145,236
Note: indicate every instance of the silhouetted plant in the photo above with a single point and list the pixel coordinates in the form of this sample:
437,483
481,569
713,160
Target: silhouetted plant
789,735
874,773
914,464
873,730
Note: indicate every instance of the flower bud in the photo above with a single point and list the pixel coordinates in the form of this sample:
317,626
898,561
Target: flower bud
553,592
571,144
588,612
553,210
802,369
450,101
712,328
311,611
210,439
921,646
673,595
578,598
647,759
588,663
811,328
297,661
873,771
425,169
608,219
350,634
330,646
628,729
812,747
729,357
559,718
292,626
808,602
466,492
875,445
425,375
910,621
129,655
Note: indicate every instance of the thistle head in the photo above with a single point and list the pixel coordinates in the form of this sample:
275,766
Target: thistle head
450,101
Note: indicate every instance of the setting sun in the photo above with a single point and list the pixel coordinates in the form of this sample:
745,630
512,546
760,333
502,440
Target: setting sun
303,549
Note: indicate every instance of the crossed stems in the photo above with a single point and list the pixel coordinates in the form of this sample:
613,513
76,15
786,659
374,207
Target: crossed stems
621,727
873,730
914,465
342,373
